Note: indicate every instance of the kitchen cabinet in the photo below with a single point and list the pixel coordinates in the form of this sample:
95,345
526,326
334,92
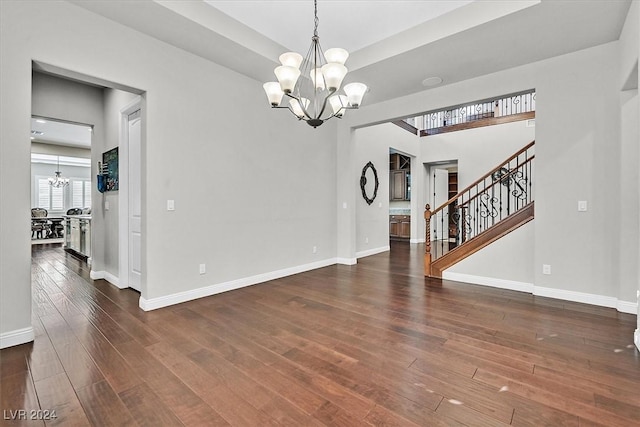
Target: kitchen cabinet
400,226
399,177
77,236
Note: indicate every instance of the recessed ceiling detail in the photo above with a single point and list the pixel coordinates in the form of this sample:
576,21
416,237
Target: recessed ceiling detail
61,133
352,24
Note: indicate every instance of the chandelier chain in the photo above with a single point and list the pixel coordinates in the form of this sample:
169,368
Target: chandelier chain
315,19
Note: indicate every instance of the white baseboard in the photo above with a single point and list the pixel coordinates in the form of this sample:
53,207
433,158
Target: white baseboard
627,307
347,261
17,337
582,297
561,294
489,281
417,240
114,280
636,338
180,297
374,251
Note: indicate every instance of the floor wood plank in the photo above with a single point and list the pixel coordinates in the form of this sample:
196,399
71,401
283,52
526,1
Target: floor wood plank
371,344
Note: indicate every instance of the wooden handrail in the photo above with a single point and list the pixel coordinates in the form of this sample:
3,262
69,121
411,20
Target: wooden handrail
485,176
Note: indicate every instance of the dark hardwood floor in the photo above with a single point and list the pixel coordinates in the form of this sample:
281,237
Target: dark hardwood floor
371,344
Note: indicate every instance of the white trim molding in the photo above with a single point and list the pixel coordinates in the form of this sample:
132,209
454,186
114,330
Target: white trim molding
561,294
97,275
17,337
180,297
636,338
373,251
489,281
347,261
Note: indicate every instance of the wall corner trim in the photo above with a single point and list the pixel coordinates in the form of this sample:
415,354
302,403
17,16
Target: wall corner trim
636,338
347,261
180,297
114,280
17,337
373,251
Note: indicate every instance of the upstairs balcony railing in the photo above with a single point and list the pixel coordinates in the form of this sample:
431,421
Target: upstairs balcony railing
503,191
515,106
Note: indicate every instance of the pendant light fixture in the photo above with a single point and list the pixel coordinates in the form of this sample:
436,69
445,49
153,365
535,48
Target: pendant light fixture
312,83
58,181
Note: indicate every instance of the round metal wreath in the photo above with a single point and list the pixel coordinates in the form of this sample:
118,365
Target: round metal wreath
363,183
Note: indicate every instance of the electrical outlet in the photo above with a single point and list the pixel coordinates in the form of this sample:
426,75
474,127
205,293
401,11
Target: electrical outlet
546,269
106,206
366,240
203,268
315,249
582,205
171,205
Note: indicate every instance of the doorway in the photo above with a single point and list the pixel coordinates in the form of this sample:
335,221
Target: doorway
70,97
61,184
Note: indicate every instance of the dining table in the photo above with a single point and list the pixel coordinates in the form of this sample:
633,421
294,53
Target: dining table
52,225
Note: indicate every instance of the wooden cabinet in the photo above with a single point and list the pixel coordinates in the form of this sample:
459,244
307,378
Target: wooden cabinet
397,185
399,177
400,226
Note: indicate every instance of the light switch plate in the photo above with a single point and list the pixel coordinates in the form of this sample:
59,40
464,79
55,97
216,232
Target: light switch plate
171,205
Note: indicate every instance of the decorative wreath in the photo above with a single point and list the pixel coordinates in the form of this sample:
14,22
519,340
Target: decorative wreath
363,183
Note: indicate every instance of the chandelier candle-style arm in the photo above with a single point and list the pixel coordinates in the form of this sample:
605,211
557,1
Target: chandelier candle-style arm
313,82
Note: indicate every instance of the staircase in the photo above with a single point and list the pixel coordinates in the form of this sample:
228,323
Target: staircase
491,207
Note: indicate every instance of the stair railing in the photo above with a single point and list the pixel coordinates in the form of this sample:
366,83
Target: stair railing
503,191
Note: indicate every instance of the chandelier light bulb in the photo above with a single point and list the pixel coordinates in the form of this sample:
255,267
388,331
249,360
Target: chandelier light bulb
317,78
291,59
287,76
355,92
274,93
333,73
338,104
336,54
58,181
297,109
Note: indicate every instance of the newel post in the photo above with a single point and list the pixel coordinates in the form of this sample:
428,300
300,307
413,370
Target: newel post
427,241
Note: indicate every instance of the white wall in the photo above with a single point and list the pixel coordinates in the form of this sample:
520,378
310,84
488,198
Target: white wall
254,192
577,158
373,144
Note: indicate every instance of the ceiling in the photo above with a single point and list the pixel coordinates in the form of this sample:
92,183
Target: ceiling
55,132
395,45
345,24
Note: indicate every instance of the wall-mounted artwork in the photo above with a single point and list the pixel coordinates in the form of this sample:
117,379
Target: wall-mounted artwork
110,160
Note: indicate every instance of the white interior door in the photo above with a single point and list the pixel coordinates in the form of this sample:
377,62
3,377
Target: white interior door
134,217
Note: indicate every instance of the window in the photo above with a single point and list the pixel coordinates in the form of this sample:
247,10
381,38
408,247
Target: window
80,193
49,198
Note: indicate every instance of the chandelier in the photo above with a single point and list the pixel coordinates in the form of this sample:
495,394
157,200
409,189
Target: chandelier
58,181
313,82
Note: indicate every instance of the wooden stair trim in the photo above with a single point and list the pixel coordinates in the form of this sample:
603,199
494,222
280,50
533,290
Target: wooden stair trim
478,242
485,176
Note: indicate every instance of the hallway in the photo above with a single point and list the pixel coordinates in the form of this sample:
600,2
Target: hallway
371,344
